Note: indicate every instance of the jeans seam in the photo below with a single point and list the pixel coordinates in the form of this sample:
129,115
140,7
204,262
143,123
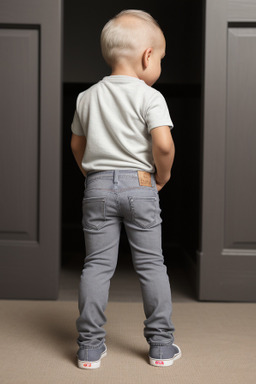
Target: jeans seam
154,344
90,348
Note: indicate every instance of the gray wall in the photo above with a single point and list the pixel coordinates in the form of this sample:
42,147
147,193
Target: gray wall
179,19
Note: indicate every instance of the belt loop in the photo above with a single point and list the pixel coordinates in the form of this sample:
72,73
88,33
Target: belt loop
153,180
115,177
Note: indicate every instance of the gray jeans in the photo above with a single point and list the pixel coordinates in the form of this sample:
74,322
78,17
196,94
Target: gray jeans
110,199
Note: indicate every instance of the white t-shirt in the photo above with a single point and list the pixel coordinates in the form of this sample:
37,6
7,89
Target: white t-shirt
116,116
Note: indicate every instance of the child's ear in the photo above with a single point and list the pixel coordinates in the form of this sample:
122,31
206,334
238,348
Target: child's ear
146,57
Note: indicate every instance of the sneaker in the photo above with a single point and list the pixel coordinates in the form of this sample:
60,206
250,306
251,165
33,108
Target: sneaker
163,355
91,358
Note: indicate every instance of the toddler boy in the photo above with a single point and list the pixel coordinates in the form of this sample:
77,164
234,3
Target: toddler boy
122,143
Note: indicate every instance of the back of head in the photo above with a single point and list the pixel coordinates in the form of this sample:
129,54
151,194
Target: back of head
127,34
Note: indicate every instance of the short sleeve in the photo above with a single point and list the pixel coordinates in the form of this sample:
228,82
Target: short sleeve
157,113
76,126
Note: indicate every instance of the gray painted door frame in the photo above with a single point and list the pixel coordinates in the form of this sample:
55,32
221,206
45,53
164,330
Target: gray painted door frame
30,148
227,258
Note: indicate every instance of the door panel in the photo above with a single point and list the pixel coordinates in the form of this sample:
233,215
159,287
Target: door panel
227,258
240,201
30,96
19,78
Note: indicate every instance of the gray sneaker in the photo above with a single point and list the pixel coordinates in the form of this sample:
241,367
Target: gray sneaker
163,355
91,358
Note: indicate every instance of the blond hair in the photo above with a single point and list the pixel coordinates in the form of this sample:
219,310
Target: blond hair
125,38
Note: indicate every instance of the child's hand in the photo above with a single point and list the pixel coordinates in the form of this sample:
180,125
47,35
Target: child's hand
160,183
159,186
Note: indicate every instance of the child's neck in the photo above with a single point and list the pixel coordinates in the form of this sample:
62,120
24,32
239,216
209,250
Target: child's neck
121,70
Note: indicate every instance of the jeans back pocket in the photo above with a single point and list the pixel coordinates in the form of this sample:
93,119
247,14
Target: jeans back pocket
94,214
143,211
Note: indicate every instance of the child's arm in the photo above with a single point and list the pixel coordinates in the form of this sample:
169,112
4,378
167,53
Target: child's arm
78,144
163,153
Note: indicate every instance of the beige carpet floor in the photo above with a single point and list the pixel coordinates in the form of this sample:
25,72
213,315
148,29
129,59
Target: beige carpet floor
218,341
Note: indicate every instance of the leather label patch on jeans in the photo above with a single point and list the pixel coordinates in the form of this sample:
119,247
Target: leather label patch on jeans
144,179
